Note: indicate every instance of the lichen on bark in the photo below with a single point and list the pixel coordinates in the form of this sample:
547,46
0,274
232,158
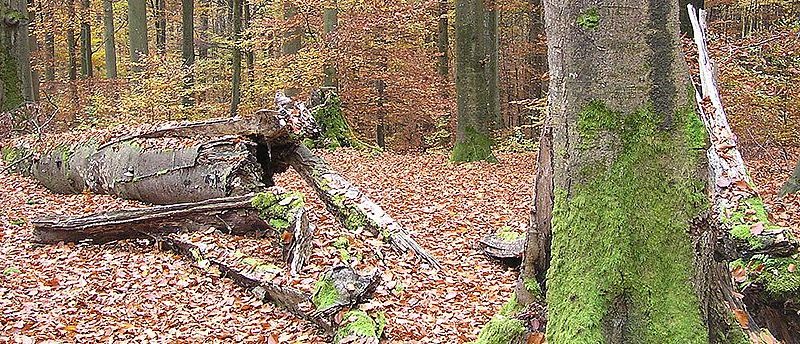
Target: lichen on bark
621,257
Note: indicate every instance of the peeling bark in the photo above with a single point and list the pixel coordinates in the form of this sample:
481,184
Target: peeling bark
350,206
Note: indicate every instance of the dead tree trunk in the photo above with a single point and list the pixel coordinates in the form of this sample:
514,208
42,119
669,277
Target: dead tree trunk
353,209
274,210
213,159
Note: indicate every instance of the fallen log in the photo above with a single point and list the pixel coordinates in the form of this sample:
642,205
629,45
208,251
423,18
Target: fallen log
276,211
187,162
764,256
352,208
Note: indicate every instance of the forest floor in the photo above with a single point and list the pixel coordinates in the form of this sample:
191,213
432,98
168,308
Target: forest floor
130,291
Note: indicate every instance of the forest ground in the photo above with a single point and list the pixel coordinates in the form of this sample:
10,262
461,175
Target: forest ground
130,291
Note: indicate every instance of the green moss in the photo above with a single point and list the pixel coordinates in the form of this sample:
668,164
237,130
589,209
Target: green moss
278,210
11,154
358,323
532,286
325,294
620,249
774,275
503,328
589,19
10,81
474,147
507,234
335,130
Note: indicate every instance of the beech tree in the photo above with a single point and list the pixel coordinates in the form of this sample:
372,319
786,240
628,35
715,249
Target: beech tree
187,49
16,82
108,39
330,21
86,40
619,183
476,79
137,32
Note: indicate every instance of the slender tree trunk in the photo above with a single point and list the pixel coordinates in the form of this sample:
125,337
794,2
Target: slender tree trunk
86,39
33,44
476,80
161,26
137,33
108,42
202,47
250,57
330,22
292,39
380,132
16,78
50,49
443,39
187,50
72,50
236,81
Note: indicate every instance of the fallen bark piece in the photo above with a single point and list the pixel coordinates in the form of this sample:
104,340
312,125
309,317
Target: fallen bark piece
341,287
350,206
500,248
274,210
248,273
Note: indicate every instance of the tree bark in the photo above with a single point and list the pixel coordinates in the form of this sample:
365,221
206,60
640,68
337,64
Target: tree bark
330,22
236,80
352,208
476,79
86,39
187,50
161,26
792,185
137,33
625,177
443,39
16,80
292,40
109,43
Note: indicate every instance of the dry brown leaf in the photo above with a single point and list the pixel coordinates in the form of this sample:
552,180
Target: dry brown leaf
742,318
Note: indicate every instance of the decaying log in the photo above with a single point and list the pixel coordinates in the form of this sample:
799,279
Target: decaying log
188,162
763,253
233,215
353,208
497,247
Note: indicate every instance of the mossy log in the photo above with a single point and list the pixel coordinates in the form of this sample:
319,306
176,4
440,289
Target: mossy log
187,162
342,288
352,207
275,211
763,255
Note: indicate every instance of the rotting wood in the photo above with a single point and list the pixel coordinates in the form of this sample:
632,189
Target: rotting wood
233,215
352,208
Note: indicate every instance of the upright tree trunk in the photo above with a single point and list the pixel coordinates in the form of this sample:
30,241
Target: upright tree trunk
443,39
330,22
15,68
626,158
202,47
108,41
86,39
72,49
50,51
476,79
161,26
187,50
250,58
33,44
236,81
292,39
137,33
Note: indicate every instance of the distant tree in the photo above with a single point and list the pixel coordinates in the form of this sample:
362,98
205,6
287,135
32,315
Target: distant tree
160,10
108,39
443,39
236,80
16,81
330,22
72,49
86,39
792,185
292,39
137,32
187,49
476,79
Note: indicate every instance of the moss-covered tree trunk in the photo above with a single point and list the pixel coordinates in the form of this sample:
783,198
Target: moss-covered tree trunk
476,79
16,82
626,180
